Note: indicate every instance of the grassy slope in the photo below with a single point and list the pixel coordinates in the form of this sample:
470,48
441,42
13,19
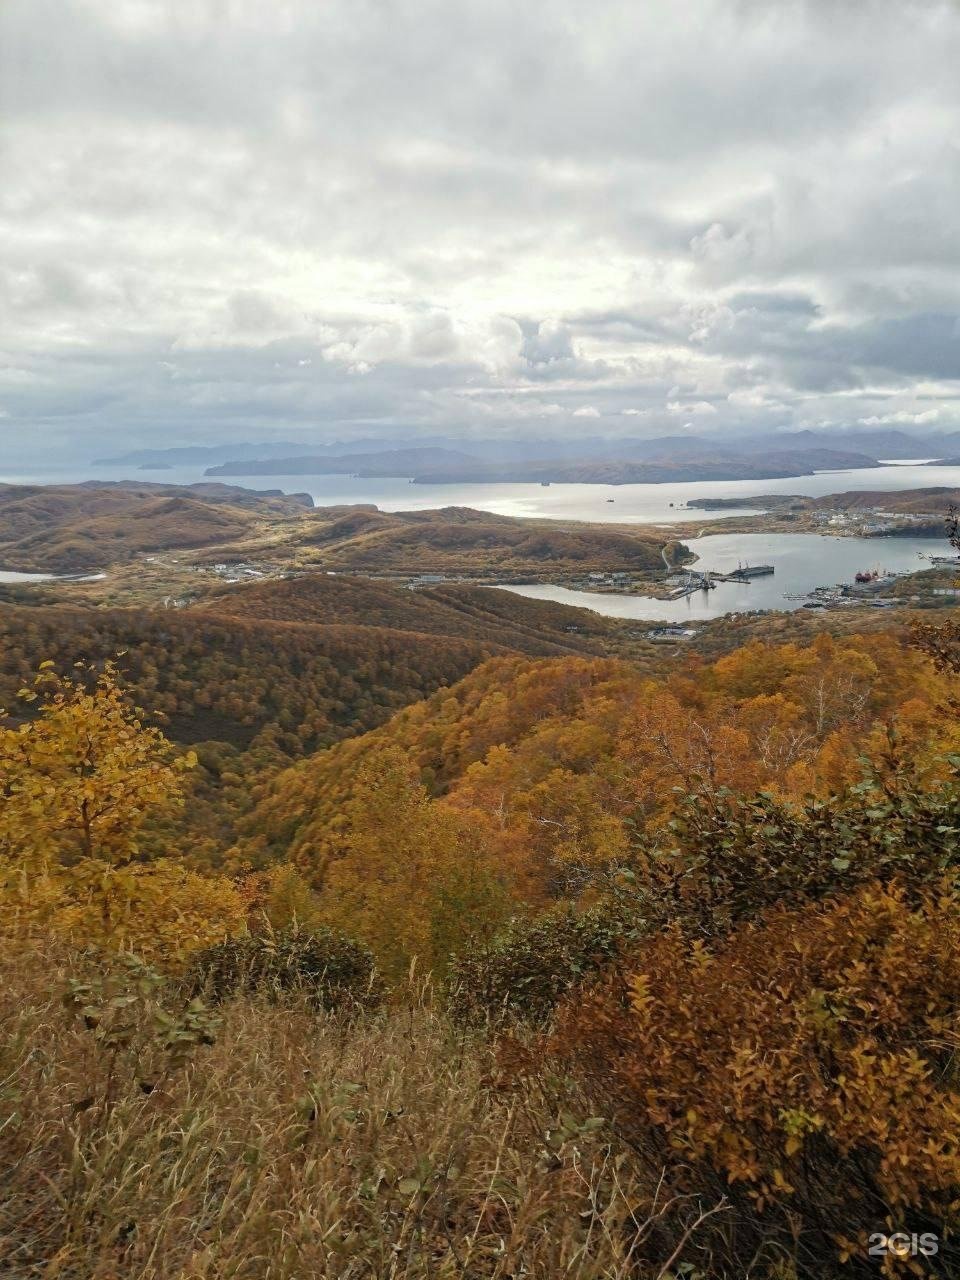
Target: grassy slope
458,539
71,530
281,1152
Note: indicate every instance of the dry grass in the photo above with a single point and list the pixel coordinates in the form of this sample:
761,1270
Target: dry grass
299,1146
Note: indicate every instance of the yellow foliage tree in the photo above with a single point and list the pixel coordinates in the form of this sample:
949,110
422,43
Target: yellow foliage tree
78,780
416,878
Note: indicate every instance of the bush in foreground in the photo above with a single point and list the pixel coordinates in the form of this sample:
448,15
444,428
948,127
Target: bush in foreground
332,971
532,964
804,1067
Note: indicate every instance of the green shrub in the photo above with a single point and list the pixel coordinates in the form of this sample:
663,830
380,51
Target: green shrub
334,971
532,964
726,858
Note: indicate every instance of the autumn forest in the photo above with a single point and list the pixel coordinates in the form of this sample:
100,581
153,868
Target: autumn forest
354,930
479,640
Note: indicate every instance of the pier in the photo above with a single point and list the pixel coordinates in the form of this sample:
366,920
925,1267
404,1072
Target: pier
693,581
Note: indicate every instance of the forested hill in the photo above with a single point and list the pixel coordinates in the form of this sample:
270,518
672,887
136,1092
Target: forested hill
482,614
559,753
263,674
231,679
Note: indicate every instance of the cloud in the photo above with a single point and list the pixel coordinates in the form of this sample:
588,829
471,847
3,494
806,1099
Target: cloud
701,408
326,219
902,418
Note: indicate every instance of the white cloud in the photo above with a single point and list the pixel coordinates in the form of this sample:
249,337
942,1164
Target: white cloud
925,418
700,408
323,219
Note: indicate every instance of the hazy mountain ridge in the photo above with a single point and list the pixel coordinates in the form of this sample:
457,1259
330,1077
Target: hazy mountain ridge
723,466
389,463
658,460
878,442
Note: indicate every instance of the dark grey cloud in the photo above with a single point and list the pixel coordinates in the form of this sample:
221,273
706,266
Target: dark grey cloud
310,219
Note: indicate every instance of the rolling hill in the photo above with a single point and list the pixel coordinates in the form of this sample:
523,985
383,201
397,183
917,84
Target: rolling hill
65,529
80,528
459,539
931,500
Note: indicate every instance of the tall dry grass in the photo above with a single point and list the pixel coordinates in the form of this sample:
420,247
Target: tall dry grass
299,1146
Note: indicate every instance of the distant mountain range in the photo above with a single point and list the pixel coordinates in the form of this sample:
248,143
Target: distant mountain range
466,460
721,465
395,462
879,443
657,462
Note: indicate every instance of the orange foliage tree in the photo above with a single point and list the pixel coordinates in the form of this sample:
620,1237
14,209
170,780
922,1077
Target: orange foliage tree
566,758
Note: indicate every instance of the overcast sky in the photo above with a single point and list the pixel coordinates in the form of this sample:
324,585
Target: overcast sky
228,219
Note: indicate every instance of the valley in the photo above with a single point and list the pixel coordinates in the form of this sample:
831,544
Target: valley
261,629
309,625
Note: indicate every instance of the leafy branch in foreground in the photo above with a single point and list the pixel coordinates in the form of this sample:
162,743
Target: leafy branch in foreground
79,776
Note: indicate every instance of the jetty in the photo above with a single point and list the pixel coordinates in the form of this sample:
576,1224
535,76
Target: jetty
693,581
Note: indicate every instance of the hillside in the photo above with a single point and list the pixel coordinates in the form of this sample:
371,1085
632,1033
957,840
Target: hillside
537,925
77,528
899,501
257,675
584,743
232,678
250,695
481,614
903,502
459,539
93,527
